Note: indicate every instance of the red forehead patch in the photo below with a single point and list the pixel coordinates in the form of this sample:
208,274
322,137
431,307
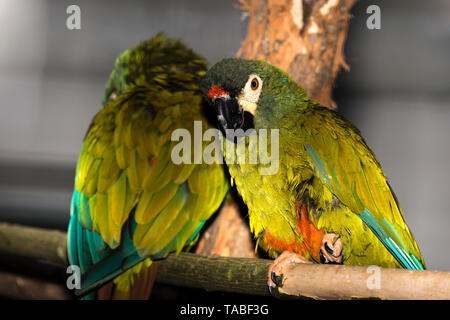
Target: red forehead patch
215,92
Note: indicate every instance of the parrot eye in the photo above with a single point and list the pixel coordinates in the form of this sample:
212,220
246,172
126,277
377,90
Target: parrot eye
254,84
249,96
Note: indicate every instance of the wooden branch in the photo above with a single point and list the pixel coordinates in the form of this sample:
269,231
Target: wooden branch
241,275
353,282
48,245
26,288
216,273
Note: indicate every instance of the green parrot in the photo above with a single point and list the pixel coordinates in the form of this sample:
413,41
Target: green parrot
327,199
132,204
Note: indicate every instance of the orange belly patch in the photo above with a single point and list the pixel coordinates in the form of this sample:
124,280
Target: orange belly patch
307,245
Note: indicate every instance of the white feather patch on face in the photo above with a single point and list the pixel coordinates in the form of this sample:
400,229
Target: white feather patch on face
249,96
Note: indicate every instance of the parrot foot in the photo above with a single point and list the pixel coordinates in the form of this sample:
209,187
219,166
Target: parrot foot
331,249
277,266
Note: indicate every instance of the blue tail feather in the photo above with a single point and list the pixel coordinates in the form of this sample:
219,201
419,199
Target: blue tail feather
406,260
99,263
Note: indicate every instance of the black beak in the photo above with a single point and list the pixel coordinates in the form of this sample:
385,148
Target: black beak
229,113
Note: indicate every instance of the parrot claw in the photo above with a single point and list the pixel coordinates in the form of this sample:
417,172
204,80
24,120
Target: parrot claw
275,276
331,249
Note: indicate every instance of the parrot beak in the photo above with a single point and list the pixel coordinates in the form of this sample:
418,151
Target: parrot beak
229,113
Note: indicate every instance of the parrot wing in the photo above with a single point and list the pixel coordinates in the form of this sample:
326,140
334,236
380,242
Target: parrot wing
131,201
348,168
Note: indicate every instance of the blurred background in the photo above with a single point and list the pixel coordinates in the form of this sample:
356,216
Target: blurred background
52,79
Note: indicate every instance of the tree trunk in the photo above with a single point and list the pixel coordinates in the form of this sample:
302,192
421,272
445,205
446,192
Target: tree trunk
303,37
228,236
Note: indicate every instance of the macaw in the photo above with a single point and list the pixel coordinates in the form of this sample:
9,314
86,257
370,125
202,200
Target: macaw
132,204
328,201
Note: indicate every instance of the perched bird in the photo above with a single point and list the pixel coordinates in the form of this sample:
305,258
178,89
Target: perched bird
132,203
328,201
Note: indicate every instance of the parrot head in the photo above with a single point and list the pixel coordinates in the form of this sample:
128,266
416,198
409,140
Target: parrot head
160,62
250,94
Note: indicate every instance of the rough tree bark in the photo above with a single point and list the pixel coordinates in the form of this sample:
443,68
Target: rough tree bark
305,38
228,236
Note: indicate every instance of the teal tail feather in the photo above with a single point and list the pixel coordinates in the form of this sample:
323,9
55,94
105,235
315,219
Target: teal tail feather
406,259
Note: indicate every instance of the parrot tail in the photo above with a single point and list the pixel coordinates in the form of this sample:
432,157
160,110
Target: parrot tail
406,259
98,263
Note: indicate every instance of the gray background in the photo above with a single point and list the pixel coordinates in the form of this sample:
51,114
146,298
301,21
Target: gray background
52,79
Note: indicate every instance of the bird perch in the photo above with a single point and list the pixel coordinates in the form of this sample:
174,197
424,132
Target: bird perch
237,275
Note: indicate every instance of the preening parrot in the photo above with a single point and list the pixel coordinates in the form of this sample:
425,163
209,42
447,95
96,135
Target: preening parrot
329,200
131,203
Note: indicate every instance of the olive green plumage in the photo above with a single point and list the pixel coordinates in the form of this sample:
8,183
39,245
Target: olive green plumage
324,165
129,194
